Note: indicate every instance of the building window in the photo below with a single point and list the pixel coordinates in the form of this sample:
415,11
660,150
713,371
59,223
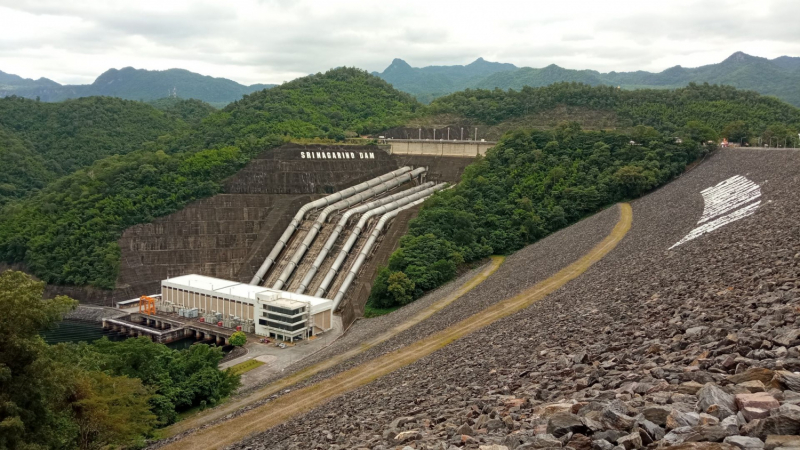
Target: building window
262,322
283,326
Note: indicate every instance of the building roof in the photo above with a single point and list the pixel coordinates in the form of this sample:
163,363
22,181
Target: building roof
243,292
201,282
247,291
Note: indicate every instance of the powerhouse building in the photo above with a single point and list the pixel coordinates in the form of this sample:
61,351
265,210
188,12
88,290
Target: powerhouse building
278,314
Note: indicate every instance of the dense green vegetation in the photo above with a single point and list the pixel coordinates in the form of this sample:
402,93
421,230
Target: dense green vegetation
22,170
102,395
133,84
669,111
529,185
190,111
40,142
778,77
68,232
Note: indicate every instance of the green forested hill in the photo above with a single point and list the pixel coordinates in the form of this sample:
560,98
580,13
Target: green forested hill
22,170
54,139
779,77
669,111
189,110
68,232
133,84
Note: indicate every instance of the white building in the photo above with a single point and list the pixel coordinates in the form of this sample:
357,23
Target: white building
278,314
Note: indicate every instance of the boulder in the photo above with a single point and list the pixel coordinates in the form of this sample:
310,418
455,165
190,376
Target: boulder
580,442
654,432
617,419
789,379
406,436
776,441
754,373
756,406
703,446
689,387
543,441
631,441
711,394
656,414
713,433
609,435
775,424
560,424
731,424
465,429
602,444
745,442
397,424
677,419
554,408
752,386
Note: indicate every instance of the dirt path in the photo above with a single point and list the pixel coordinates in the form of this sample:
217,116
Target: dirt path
307,398
233,406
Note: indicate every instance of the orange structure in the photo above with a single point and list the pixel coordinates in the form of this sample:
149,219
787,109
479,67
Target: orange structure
147,305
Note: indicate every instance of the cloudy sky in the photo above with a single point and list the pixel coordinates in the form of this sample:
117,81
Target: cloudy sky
271,41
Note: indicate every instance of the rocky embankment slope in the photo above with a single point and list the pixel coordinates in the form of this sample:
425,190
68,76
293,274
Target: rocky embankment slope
695,346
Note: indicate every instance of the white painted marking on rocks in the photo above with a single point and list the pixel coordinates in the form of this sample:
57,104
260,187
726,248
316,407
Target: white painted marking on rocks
731,194
720,200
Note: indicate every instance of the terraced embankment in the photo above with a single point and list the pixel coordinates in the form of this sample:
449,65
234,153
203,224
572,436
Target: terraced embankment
697,343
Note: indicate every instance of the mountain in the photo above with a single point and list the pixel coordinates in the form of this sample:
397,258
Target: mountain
432,81
133,84
779,77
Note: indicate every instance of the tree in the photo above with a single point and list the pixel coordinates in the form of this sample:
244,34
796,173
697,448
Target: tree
110,410
697,131
238,339
736,131
401,288
31,389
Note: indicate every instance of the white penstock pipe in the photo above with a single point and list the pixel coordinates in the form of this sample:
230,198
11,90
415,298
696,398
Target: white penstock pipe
342,204
343,222
362,256
351,240
325,201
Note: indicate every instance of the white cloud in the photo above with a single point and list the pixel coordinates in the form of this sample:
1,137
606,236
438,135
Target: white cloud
254,41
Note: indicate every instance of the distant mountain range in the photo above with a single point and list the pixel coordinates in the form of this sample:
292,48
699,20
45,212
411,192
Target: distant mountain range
779,77
133,84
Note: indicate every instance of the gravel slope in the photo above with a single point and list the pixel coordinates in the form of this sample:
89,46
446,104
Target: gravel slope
644,327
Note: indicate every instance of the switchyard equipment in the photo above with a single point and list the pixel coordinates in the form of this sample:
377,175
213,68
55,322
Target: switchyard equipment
147,305
342,204
325,201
